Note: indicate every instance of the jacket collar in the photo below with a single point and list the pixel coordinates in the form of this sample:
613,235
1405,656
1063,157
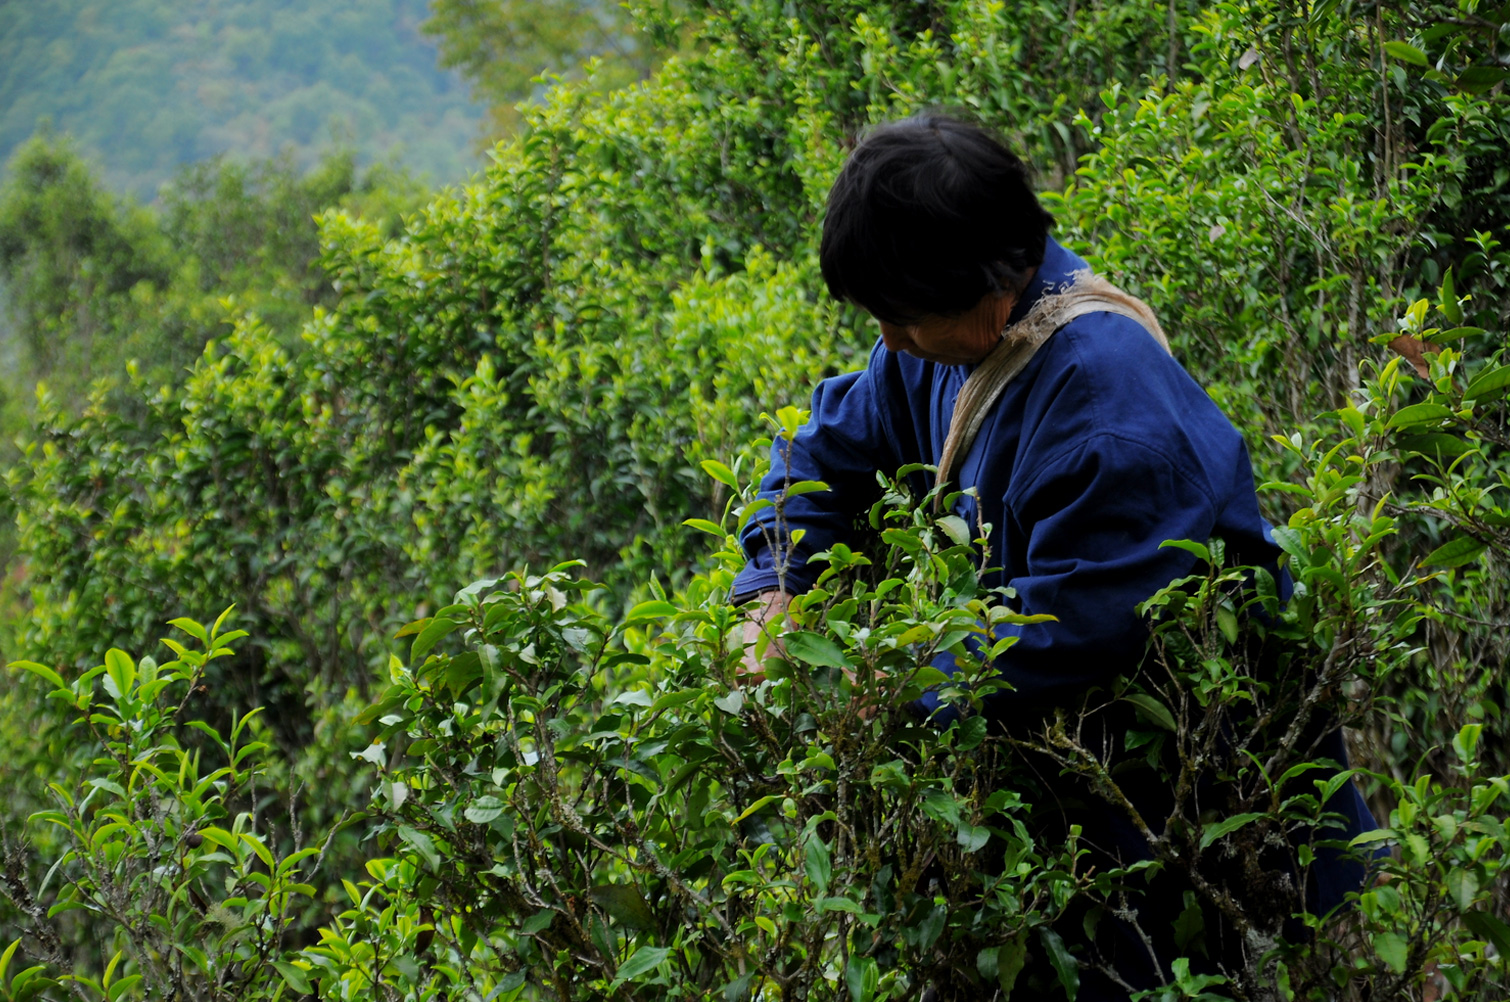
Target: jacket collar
1054,273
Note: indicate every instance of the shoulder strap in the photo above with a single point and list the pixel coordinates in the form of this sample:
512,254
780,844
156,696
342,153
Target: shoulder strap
1019,343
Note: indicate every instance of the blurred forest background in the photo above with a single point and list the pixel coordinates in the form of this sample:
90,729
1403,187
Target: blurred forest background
276,334
144,88
184,153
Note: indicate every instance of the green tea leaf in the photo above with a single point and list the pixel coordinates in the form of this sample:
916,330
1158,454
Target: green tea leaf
1465,742
818,863
738,990
296,978
1454,334
1189,546
955,528
671,700
538,922
1210,833
1447,299
429,637
1392,949
5,959
1463,885
941,806
1406,53
192,628
970,732
1436,445
1489,384
120,672
1478,79
972,837
757,805
804,487
645,959
1290,541
1489,928
861,976
1190,927
814,649
634,697
1009,962
1064,963
654,609
838,905
484,809
625,904
1226,622
718,471
1456,553
422,844
43,672
1152,710
1418,414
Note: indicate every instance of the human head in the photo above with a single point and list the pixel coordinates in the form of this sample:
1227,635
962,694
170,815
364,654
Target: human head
929,215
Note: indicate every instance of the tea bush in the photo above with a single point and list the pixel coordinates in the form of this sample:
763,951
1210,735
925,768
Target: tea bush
543,364
577,806
162,852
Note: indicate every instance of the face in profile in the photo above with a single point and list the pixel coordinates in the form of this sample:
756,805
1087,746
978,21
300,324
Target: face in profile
965,339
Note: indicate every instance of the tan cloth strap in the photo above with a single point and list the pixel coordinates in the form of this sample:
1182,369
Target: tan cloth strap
1086,293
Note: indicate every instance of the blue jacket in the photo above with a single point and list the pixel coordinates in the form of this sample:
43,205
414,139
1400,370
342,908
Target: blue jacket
1101,449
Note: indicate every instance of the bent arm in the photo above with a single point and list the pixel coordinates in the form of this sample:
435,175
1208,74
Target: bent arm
844,443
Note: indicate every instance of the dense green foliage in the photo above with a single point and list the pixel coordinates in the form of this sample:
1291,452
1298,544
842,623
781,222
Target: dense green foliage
91,284
569,798
145,87
95,281
505,47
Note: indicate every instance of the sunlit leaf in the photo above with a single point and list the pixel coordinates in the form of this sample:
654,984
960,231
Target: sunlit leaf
1406,53
814,649
645,959
1456,553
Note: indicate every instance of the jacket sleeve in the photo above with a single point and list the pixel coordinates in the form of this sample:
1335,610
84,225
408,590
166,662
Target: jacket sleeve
844,443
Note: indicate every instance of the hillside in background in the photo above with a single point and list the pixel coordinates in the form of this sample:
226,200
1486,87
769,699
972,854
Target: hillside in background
145,86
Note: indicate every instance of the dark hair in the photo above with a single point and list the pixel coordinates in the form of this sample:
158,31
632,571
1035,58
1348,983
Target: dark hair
928,215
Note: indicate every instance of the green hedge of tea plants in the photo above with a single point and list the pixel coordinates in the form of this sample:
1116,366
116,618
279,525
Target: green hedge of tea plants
558,792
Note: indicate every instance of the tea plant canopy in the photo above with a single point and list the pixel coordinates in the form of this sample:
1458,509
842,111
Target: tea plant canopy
560,380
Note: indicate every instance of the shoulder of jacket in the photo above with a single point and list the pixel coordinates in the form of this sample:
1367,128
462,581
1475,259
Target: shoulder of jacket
1108,382
1106,342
